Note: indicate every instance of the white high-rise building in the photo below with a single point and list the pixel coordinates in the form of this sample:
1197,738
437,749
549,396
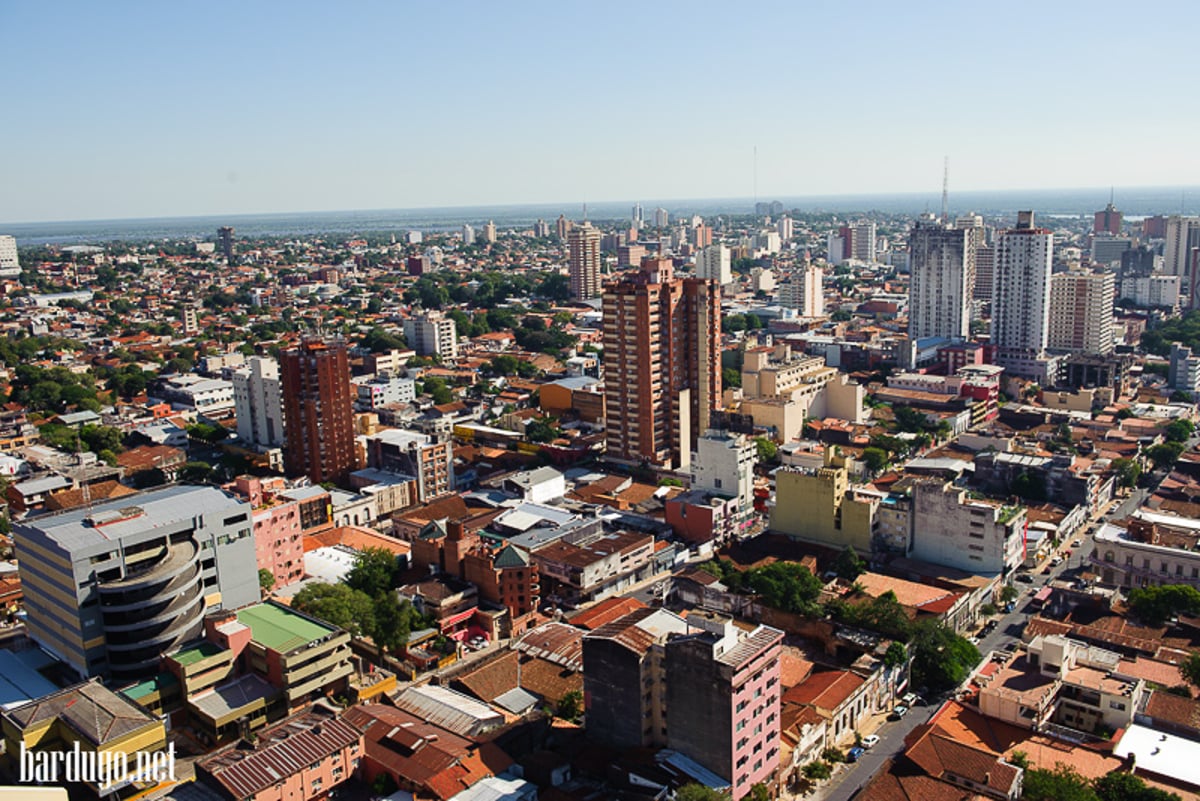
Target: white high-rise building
786,228
258,400
985,272
1081,312
638,217
941,259
432,334
661,218
1021,294
715,264
973,224
836,247
468,234
10,267
864,241
1152,290
803,291
1183,234
768,241
583,261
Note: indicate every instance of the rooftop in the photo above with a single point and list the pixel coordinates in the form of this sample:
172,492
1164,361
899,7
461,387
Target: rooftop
281,629
1166,755
98,715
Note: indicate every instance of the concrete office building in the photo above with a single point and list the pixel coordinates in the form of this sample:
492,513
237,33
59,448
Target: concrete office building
258,401
1021,298
583,261
941,260
10,265
1183,236
803,291
713,264
1081,312
109,589
662,363
432,334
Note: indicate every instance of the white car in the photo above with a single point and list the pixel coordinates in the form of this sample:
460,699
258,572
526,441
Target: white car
870,740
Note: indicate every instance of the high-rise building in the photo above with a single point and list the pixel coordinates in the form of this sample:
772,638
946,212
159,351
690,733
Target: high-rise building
1021,294
662,363
723,699
786,228
1107,249
561,227
836,248
1183,235
468,234
109,588
941,258
863,241
638,218
583,254
258,399
489,232
318,408
1081,312
1154,227
541,229
803,291
661,218
432,334
190,319
723,465
985,274
714,264
1107,221
10,265
630,255
225,240
702,235
973,224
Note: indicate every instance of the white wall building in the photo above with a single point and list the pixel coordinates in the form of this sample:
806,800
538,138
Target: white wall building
952,530
942,260
432,334
1021,294
804,291
723,464
258,400
713,263
1183,234
1152,290
10,267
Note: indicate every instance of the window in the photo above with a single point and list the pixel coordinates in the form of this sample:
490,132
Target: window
1116,705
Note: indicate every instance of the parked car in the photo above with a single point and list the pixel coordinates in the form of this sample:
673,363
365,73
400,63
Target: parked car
1078,542
989,627
1056,561
911,699
854,753
1024,578
477,643
1010,606
899,712
870,740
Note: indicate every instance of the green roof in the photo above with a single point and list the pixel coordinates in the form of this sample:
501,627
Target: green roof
157,683
510,557
191,654
279,628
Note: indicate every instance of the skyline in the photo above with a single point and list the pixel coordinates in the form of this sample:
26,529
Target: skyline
158,111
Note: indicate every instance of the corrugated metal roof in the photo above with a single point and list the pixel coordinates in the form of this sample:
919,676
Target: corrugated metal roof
451,710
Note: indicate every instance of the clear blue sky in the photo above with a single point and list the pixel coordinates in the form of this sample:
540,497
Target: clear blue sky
132,109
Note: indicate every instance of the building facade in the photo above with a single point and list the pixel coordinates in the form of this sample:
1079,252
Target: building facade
432,334
110,588
319,410
583,261
258,401
1081,312
1021,294
941,259
662,363
713,263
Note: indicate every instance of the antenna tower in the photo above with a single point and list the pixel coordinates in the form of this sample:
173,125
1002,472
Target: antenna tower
945,188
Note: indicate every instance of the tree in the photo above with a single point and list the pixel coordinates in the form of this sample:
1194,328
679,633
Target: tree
895,656
1020,759
101,438
731,377
1063,783
1128,472
848,565
380,340
910,419
374,571
759,792
393,621
570,706
1157,604
1179,430
1029,487
542,429
266,579
817,771
1121,786
1164,455
1191,668
1009,593
347,608
767,450
876,459
941,659
699,792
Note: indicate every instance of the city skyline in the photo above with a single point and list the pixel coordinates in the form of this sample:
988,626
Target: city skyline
159,112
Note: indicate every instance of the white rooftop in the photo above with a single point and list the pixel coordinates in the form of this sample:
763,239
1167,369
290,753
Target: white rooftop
1164,754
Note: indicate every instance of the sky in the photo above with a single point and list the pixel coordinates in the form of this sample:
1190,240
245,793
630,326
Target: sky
150,109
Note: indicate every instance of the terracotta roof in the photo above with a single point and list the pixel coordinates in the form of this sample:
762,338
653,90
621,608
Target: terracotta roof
606,612
74,498
1175,709
492,678
548,680
355,537
626,632
894,783
826,690
793,669
937,754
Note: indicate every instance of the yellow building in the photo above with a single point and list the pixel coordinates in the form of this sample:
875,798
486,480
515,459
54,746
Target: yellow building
99,720
820,506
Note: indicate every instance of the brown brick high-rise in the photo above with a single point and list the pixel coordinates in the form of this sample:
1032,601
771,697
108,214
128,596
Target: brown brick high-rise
318,411
662,363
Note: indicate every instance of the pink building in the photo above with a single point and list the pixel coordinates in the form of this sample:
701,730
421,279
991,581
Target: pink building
278,539
723,697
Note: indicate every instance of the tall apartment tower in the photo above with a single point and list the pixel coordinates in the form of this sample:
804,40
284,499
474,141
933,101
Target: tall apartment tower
468,234
973,224
1081,312
723,698
432,334
803,291
258,399
583,260
318,407
661,218
662,363
1108,221
225,241
637,217
713,263
942,260
985,272
1021,293
562,226
786,228
1183,236
110,588
10,265
489,232
863,241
